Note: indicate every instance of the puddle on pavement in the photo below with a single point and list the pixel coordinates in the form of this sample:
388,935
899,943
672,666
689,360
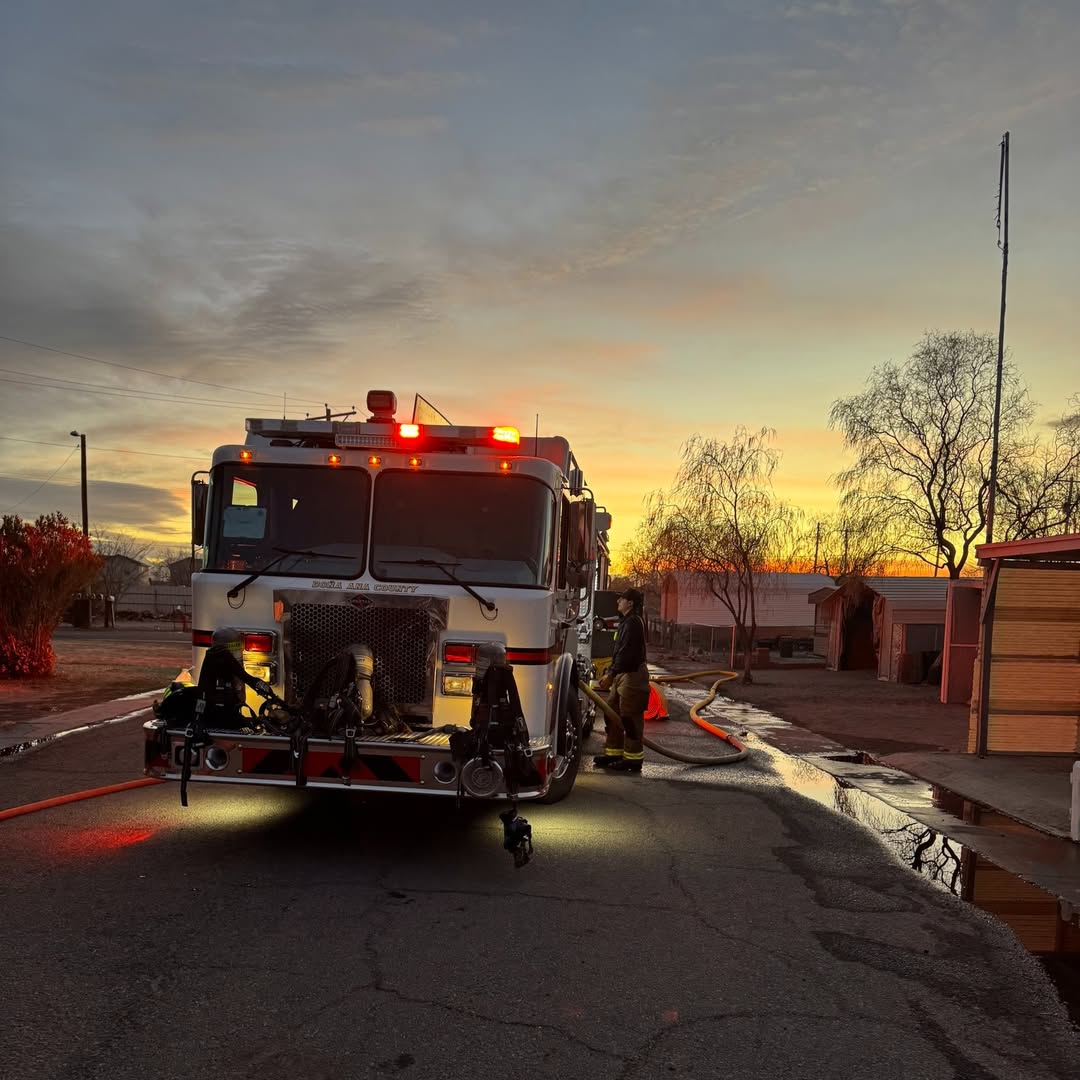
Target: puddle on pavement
1032,914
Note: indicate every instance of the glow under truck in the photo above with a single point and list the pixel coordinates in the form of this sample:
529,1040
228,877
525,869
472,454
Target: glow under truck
386,606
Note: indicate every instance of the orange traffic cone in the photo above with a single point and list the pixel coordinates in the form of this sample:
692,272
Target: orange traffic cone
657,707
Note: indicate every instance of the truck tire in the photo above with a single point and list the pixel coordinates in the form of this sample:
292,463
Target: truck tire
588,717
568,747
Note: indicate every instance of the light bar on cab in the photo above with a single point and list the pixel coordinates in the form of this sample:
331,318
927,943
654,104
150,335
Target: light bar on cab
506,435
408,431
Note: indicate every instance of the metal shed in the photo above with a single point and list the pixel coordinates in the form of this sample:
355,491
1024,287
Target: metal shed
780,599
894,625
1026,696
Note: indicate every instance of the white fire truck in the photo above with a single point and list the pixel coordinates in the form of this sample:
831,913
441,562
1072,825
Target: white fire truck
367,581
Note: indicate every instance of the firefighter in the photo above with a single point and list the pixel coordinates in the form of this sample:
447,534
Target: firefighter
628,678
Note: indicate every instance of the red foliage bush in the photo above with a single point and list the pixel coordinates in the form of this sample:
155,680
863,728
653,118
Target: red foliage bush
42,566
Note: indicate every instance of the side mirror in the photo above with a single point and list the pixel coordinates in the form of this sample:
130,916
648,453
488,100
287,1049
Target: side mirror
577,578
582,552
200,495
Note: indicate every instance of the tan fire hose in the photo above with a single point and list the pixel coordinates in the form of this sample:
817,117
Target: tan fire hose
704,703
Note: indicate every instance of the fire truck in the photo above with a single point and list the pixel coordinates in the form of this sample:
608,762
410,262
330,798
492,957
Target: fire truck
386,606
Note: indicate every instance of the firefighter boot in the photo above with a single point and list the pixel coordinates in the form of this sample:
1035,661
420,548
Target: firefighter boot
625,765
607,760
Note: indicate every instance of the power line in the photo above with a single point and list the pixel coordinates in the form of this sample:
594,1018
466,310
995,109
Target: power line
147,371
42,484
153,395
112,450
131,396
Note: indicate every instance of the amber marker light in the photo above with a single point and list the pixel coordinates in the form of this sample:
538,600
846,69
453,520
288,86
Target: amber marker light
374,460
333,459
246,455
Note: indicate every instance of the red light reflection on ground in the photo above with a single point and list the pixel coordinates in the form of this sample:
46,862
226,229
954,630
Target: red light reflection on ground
102,840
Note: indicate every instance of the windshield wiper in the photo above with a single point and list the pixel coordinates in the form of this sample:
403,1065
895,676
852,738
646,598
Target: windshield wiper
235,591
487,605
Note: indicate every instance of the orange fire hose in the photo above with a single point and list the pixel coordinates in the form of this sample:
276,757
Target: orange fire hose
689,759
76,796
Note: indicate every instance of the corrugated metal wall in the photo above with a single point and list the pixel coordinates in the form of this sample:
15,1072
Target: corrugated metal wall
1034,704
783,600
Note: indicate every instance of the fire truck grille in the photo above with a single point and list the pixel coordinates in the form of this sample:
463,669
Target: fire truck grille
399,638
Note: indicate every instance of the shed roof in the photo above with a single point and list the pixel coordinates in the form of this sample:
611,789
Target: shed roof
926,593
1063,547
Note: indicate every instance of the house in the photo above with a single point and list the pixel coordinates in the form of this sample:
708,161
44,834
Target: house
780,601
894,625
1026,696
179,571
120,573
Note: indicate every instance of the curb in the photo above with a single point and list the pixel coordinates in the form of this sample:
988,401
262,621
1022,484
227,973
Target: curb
49,729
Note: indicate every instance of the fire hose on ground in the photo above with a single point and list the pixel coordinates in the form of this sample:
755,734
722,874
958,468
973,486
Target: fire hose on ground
695,710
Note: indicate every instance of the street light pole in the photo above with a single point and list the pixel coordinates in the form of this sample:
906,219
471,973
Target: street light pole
82,446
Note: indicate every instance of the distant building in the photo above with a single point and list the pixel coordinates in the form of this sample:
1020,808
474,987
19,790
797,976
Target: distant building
781,602
894,625
179,571
121,573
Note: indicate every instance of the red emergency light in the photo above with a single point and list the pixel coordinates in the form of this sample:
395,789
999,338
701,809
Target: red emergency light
258,643
408,431
456,653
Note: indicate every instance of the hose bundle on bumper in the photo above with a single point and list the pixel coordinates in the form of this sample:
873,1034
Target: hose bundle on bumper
689,759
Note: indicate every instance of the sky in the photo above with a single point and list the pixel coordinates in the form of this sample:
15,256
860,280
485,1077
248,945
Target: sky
637,220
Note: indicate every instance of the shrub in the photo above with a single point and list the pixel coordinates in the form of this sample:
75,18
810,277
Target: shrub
42,566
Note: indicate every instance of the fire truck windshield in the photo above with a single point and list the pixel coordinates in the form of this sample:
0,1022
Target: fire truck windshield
489,529
308,520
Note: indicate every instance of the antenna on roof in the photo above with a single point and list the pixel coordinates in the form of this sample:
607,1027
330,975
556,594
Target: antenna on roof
1003,244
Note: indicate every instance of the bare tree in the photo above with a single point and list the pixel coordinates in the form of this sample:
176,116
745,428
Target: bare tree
176,566
854,542
1039,491
722,521
921,433
123,564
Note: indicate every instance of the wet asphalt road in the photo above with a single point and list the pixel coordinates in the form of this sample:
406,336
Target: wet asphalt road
718,928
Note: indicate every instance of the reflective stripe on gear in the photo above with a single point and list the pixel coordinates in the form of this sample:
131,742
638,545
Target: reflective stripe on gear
612,751
629,755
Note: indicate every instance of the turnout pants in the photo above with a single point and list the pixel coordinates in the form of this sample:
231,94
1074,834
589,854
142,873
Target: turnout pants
629,698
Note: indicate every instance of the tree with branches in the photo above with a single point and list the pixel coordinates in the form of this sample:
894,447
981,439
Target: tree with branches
122,562
853,542
1039,491
921,435
722,521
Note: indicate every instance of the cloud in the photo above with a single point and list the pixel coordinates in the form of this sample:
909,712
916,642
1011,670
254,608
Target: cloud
146,509
176,290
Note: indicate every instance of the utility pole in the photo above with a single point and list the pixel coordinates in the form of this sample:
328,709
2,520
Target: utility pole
817,545
1003,243
82,446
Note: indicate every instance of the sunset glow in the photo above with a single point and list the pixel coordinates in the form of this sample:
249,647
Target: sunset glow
622,224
